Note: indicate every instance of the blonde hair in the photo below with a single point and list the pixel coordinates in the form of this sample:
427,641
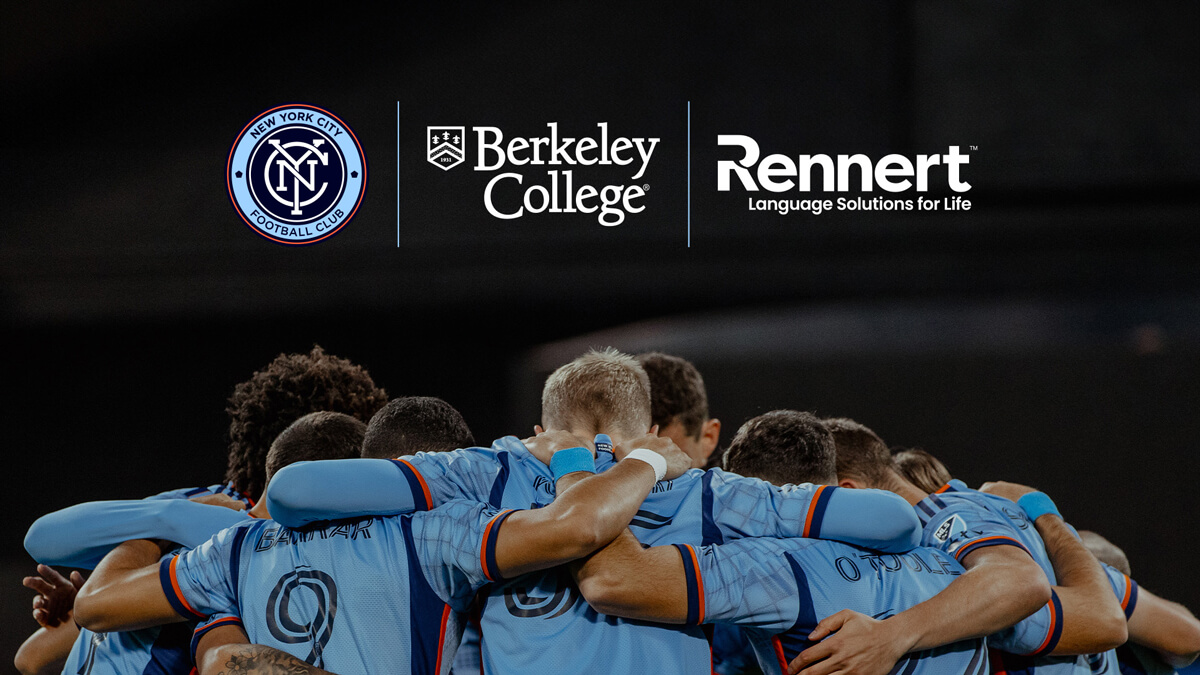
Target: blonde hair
600,391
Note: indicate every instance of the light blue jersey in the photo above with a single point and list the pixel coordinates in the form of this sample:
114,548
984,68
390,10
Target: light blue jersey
528,623
959,520
381,595
81,535
777,590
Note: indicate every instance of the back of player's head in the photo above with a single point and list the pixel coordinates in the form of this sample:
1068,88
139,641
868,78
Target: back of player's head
677,392
861,453
1105,551
316,436
600,391
412,424
289,387
784,446
921,468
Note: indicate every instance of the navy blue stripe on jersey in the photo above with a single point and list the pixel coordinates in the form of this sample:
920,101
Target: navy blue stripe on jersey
194,492
166,577
906,665
490,537
204,628
709,532
978,664
649,521
169,655
986,542
925,513
425,608
818,511
235,554
496,498
1131,591
414,485
695,588
937,501
1056,626
806,615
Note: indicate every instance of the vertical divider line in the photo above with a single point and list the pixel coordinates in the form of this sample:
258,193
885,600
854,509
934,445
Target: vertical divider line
397,174
689,174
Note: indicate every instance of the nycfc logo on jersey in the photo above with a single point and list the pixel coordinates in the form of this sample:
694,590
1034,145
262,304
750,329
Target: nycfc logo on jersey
444,146
296,174
523,604
301,609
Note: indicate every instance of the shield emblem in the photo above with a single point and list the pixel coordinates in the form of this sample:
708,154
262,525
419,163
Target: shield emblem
445,146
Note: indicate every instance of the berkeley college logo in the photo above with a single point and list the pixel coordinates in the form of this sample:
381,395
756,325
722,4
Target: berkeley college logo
444,146
296,174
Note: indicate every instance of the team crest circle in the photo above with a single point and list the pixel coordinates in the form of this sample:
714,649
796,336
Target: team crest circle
296,174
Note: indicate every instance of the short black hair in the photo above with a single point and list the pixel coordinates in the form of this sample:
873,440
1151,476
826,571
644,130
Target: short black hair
676,392
412,424
861,453
316,436
784,446
289,387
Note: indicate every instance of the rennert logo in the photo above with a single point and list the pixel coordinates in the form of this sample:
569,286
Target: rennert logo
780,173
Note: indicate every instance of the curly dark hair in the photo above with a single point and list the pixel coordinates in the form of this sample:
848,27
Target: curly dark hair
290,387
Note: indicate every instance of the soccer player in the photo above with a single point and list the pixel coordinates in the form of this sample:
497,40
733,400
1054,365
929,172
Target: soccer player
523,623
1003,594
679,406
316,593
777,589
412,424
316,436
921,468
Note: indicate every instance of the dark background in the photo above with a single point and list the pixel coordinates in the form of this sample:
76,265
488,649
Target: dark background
1051,335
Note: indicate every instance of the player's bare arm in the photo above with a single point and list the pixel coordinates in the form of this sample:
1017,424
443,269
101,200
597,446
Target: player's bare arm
1093,619
589,511
124,592
1001,586
657,591
1167,627
227,651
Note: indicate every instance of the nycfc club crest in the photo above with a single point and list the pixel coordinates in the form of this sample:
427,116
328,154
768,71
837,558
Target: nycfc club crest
445,146
296,174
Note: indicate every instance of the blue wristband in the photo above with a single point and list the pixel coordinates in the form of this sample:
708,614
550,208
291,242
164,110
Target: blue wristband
1037,504
571,460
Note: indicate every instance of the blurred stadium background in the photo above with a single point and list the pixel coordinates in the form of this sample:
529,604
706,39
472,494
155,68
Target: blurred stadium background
1049,336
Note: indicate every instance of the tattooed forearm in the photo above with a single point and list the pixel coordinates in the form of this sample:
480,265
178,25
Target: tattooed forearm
259,660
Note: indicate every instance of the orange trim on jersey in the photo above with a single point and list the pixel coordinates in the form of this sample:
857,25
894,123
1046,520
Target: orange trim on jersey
699,586
483,545
1128,592
999,537
1050,633
178,591
783,664
812,507
421,480
218,622
442,638
942,489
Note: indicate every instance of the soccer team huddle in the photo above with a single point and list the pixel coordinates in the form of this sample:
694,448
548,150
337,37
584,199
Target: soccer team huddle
353,534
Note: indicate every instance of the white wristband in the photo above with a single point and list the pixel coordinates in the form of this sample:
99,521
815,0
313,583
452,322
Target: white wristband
655,460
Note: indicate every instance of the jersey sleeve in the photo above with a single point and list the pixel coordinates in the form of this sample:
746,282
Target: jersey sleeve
213,622
747,582
81,535
1124,588
203,582
455,545
737,507
963,528
1036,634
467,473
306,492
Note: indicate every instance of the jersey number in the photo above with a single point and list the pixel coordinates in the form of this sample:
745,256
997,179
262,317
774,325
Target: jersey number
317,586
